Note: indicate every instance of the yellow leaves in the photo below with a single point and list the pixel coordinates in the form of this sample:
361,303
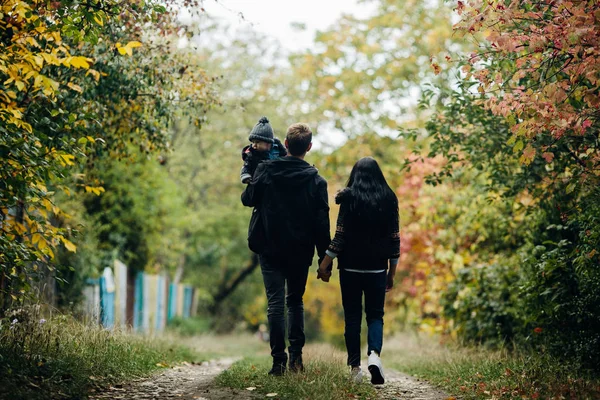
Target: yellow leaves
18,122
528,155
51,59
98,20
31,41
80,62
39,240
123,50
94,73
128,48
19,228
75,87
50,86
20,85
47,203
38,60
68,244
97,190
8,96
66,159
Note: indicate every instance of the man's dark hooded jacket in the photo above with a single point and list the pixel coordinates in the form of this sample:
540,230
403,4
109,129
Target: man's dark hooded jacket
292,199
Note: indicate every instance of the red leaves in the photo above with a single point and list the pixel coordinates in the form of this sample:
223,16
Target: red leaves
551,84
548,157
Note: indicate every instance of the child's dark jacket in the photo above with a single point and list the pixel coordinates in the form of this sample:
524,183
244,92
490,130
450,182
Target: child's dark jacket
252,158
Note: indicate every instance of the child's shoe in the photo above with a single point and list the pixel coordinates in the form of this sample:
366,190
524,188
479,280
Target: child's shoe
376,369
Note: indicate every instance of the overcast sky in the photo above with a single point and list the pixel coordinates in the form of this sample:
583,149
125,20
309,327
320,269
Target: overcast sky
275,17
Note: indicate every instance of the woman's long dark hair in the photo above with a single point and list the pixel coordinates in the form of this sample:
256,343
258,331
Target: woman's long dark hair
369,197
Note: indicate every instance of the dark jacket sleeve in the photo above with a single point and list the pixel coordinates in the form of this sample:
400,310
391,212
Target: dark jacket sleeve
394,237
339,240
323,236
252,195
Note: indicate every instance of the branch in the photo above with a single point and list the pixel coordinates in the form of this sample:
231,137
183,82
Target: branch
226,288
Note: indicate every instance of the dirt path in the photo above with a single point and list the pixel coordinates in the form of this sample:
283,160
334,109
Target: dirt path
402,386
195,382
188,381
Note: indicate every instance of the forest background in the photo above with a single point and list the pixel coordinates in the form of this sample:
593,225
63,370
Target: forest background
117,141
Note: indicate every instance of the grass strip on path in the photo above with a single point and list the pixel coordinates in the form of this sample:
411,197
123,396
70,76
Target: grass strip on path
479,373
62,358
325,377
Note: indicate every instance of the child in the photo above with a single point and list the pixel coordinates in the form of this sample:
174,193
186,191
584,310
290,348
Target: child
264,147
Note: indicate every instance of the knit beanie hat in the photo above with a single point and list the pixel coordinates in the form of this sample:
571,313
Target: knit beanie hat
262,131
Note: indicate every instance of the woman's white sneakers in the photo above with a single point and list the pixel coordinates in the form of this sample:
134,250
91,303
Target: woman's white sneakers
356,374
376,369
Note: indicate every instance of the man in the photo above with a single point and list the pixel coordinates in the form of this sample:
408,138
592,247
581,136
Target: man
291,198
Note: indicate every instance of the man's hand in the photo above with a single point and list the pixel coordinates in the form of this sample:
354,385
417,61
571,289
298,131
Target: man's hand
323,275
325,267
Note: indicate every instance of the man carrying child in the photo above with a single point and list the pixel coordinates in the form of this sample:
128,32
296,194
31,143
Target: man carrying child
292,200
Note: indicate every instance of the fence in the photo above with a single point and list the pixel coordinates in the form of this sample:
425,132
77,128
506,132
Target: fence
125,298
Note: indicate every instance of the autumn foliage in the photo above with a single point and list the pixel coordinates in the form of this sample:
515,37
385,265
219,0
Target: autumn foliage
539,67
73,89
522,131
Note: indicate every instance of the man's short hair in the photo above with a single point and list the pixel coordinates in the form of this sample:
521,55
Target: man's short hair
299,137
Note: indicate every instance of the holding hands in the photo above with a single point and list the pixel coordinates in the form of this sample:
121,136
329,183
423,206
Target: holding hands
325,267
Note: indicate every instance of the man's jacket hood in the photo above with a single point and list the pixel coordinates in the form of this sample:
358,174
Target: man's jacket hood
291,171
291,199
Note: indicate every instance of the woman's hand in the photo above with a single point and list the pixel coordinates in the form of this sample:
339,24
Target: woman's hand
390,278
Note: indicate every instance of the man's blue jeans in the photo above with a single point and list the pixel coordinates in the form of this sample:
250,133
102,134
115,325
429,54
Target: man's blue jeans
353,285
277,274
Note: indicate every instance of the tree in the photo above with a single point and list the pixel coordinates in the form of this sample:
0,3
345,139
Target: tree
58,111
523,143
540,66
367,72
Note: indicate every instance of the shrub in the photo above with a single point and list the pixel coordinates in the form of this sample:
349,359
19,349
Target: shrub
483,302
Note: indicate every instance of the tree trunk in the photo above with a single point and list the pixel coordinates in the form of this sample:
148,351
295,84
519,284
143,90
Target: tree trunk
180,269
228,287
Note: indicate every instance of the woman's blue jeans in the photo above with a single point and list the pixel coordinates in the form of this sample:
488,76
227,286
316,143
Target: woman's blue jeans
354,285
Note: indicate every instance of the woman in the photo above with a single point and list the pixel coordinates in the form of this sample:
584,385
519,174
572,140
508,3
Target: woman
366,242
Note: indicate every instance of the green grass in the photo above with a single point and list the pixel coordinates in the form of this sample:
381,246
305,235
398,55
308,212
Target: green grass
325,377
62,358
213,346
189,326
478,373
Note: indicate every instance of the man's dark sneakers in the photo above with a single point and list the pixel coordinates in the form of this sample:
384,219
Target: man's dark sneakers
278,369
296,364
